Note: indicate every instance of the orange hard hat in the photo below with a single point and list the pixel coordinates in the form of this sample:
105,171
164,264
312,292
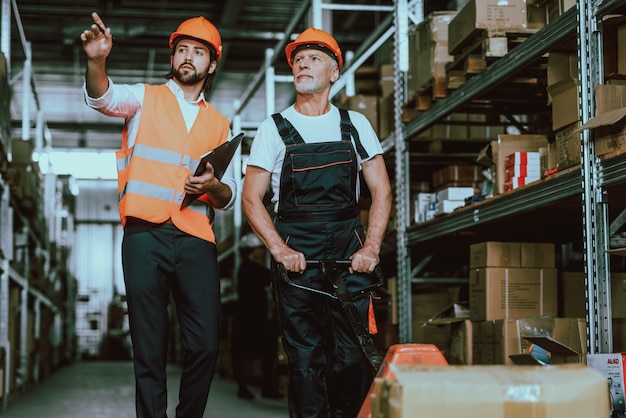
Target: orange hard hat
201,29
316,39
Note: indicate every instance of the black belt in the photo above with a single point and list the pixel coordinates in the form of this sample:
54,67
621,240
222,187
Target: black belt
132,221
321,216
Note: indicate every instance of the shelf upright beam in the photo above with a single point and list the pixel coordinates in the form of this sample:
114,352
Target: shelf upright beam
400,68
594,199
6,232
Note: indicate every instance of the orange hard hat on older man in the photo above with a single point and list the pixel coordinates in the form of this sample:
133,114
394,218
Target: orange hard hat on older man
200,29
313,38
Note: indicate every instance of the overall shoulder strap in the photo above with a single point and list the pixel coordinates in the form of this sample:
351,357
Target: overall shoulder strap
347,129
286,130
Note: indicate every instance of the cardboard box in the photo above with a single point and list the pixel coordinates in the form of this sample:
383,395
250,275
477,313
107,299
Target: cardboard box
609,97
537,255
512,183
562,89
611,367
567,141
495,254
495,340
572,391
478,15
386,116
457,175
427,301
494,153
511,293
609,131
428,53
567,344
572,294
454,320
366,104
454,193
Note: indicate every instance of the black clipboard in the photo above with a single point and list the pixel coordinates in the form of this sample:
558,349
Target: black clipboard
219,158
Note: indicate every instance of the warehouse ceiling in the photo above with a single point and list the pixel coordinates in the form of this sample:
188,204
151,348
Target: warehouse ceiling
141,28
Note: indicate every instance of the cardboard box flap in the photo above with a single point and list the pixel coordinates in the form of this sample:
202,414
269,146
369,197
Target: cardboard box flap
552,345
605,119
453,313
525,360
485,156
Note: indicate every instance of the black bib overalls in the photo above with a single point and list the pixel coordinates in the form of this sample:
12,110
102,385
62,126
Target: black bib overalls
317,215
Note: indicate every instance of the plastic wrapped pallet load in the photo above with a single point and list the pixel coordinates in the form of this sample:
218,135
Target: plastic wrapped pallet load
497,391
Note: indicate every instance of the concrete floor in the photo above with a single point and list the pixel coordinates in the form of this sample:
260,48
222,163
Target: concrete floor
106,390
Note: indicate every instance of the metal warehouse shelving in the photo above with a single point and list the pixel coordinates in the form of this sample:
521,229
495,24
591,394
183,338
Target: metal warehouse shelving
584,188
588,184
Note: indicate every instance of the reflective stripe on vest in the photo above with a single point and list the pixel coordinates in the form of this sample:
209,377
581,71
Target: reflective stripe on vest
151,174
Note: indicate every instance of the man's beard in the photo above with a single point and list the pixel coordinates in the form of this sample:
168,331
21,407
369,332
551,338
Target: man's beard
310,86
189,77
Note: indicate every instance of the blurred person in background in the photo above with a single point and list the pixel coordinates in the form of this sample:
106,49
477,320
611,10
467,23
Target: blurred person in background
255,324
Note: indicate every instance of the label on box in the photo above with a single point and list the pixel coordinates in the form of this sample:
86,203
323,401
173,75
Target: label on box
611,366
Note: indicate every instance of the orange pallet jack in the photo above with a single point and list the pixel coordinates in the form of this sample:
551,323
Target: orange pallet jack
426,354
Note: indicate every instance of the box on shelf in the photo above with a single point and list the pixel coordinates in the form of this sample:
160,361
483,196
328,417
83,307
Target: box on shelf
366,104
562,88
454,320
525,171
493,154
614,45
512,183
555,8
510,293
428,54
423,211
566,344
454,193
567,144
427,301
537,255
447,206
522,158
478,15
572,298
495,254
611,367
609,131
457,175
495,341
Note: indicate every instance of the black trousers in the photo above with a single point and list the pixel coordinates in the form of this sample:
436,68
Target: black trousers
159,261
329,376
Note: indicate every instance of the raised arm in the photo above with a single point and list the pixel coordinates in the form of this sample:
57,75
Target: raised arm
97,44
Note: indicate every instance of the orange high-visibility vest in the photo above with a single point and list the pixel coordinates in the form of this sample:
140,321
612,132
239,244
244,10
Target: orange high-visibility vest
151,175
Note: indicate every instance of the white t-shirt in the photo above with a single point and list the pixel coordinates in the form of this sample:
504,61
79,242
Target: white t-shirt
268,149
